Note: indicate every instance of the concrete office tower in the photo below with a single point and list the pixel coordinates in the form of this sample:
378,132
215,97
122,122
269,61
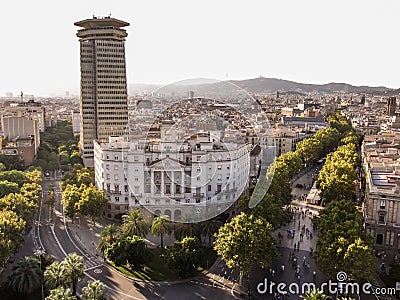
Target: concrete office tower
103,103
391,106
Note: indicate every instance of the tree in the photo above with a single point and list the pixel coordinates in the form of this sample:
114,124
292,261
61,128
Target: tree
186,230
210,227
55,276
342,243
32,191
18,177
338,175
309,149
108,236
184,256
128,249
7,187
92,202
135,224
20,205
246,241
329,138
359,259
70,198
270,208
74,269
95,290
34,175
11,233
26,275
315,295
84,177
161,226
61,293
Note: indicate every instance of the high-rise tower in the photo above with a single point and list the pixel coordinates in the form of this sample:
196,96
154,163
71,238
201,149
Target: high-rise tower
103,100
391,106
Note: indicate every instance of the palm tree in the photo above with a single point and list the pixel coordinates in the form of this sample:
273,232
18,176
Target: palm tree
315,295
183,230
161,226
135,224
74,269
61,293
26,275
95,290
108,236
208,228
55,277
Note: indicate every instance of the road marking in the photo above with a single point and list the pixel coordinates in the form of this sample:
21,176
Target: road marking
57,241
114,290
98,271
95,267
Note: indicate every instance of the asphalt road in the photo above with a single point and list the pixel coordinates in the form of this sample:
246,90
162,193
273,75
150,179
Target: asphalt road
58,242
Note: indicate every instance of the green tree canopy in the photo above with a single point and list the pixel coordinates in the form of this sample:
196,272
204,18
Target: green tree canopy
184,256
161,226
135,224
26,275
92,202
342,243
11,233
7,187
70,199
108,236
128,249
20,205
95,290
246,241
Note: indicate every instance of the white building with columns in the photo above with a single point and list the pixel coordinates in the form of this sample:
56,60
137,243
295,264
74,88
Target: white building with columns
187,178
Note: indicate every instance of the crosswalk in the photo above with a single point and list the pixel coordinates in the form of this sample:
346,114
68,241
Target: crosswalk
93,263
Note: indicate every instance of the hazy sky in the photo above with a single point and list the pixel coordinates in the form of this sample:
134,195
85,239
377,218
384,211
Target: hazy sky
306,41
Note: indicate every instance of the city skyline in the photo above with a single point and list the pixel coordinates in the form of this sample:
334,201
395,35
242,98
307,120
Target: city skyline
308,42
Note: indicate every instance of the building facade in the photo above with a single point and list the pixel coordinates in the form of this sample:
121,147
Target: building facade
103,95
382,194
191,179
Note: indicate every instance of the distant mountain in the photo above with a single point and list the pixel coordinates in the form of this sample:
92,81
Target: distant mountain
255,85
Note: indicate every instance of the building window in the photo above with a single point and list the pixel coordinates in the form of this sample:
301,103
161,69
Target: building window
136,158
107,167
116,157
198,158
381,219
126,188
115,167
116,199
383,205
219,167
379,239
126,199
116,177
187,200
108,176
117,207
209,188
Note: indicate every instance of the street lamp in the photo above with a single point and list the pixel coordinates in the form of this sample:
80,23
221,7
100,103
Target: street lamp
39,254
